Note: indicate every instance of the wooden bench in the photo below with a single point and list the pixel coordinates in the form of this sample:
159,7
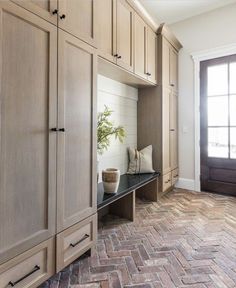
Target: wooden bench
122,203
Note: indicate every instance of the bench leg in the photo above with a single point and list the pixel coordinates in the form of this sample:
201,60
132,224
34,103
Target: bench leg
124,207
149,191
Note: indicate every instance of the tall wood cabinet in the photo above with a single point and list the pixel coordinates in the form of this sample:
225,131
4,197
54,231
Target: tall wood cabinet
48,143
28,100
158,112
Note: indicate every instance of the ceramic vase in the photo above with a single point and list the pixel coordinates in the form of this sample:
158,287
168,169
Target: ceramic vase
111,180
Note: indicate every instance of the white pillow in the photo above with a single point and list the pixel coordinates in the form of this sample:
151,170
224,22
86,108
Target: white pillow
140,161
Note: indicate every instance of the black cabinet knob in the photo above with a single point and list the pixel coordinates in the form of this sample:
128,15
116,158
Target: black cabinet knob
54,129
62,130
119,57
63,16
116,55
54,11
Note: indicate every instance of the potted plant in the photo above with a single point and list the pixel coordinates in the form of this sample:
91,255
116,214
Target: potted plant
106,129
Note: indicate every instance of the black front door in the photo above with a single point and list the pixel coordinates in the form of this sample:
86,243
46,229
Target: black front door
218,125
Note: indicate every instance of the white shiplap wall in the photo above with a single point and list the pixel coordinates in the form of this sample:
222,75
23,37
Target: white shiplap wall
122,99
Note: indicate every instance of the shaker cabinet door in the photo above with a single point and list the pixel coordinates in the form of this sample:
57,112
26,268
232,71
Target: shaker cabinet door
47,9
76,198
152,56
124,31
28,99
78,17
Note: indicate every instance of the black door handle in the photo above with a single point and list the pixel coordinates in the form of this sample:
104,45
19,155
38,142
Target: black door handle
36,268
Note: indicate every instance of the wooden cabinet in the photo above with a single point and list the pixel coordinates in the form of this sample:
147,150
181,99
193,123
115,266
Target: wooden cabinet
28,100
31,268
78,17
47,9
151,56
106,29
74,241
140,47
158,112
124,35
76,198
145,50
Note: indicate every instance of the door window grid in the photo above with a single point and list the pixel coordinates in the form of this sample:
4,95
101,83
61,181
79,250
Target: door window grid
220,135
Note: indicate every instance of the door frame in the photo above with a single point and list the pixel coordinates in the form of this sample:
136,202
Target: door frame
197,58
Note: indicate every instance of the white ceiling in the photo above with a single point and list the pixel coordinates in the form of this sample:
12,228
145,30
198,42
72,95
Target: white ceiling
172,11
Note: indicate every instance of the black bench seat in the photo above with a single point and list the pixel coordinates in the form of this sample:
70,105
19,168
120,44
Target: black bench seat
128,184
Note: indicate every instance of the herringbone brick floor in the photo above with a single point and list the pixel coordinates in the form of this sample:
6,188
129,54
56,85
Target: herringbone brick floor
187,239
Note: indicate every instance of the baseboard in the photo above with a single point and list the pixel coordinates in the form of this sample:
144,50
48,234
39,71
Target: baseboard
183,183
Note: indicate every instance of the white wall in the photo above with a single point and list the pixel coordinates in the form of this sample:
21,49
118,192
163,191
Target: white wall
207,31
122,99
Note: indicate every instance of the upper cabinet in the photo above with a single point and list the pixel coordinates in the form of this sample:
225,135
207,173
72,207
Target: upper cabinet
152,56
145,50
124,35
78,18
169,65
47,9
106,29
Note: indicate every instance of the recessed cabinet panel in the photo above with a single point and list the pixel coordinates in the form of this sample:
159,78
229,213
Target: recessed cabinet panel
43,8
78,18
28,150
125,16
140,47
152,56
166,166
76,146
174,130
173,69
106,29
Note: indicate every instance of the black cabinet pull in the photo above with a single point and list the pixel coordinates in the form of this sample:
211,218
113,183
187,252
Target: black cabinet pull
119,57
54,129
172,85
172,129
63,16
116,55
36,268
81,240
54,11
62,130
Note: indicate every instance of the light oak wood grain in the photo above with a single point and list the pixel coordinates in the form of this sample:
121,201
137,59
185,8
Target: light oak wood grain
76,195
80,19
28,97
42,8
42,255
73,235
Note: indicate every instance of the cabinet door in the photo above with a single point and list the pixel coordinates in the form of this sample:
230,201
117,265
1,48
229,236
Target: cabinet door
173,130
106,29
78,17
124,35
28,109
173,69
165,62
166,163
43,8
76,198
140,47
152,56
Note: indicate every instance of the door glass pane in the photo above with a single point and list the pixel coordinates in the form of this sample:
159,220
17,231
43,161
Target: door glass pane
233,110
218,142
232,77
217,80
233,143
218,111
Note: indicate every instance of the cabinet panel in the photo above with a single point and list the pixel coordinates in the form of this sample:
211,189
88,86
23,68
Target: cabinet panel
174,176
174,130
31,268
106,29
173,69
42,8
152,56
77,146
124,35
166,182
74,241
28,108
79,18
166,163
140,47
165,62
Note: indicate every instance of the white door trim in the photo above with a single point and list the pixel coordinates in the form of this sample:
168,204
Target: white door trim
197,58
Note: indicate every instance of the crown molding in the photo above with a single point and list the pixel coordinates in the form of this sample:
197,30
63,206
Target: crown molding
165,31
